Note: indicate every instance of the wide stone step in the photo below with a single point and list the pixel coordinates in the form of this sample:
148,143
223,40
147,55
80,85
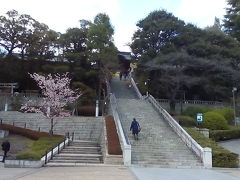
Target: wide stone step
164,158
84,143
78,147
166,165
162,151
68,164
74,151
78,155
75,161
158,144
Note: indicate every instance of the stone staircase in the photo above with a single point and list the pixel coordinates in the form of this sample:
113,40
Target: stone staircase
78,153
158,144
84,128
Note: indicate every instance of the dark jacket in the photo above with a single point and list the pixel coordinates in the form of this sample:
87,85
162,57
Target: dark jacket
135,127
5,146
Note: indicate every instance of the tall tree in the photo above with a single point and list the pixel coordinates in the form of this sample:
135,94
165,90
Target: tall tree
11,31
42,41
155,33
25,34
232,19
74,45
174,73
101,47
100,39
176,56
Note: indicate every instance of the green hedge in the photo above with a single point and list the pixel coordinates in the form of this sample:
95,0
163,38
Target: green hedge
34,135
214,121
193,110
88,110
221,135
186,121
227,113
220,156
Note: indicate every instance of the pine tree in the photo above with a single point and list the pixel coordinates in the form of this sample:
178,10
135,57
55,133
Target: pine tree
232,19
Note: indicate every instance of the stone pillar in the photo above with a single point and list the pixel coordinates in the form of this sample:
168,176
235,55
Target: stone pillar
207,157
97,109
127,155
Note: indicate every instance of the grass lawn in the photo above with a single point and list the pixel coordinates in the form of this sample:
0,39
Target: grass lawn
24,148
18,144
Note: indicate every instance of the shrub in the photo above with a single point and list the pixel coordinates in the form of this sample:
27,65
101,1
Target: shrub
220,156
193,110
88,94
227,113
221,135
47,68
114,147
88,110
214,121
186,121
61,69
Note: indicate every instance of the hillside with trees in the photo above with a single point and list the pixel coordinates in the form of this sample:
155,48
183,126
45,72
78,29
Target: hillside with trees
28,46
175,57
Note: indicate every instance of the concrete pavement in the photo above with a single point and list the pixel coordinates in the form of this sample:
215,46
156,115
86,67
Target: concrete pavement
185,174
232,145
67,173
116,173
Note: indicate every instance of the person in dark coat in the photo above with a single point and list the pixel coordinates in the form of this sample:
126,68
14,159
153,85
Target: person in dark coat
5,148
135,128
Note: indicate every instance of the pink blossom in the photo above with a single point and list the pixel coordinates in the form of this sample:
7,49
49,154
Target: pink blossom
56,95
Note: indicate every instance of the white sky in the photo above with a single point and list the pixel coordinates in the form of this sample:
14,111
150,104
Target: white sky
60,15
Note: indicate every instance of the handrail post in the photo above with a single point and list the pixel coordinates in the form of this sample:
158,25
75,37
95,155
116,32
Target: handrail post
72,136
68,135
46,157
52,153
58,147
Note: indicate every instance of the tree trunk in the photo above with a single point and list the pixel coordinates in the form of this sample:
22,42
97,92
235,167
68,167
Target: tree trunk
51,127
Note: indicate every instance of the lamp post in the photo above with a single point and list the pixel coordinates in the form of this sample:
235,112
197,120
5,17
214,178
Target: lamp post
234,105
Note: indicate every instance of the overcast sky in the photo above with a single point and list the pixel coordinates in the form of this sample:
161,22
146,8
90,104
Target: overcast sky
60,15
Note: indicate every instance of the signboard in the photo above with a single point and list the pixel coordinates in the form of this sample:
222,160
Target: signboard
199,117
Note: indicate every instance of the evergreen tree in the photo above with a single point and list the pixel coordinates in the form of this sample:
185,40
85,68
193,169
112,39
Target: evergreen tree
232,19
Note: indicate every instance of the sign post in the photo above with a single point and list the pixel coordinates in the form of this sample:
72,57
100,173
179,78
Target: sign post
199,118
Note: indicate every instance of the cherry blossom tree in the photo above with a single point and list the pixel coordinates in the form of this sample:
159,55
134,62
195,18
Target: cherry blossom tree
56,95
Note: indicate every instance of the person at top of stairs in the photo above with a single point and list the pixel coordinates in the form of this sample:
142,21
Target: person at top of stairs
135,128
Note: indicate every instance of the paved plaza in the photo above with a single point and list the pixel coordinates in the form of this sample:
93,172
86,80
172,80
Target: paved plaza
116,173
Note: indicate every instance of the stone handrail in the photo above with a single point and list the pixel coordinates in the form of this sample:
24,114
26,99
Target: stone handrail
136,88
205,154
125,145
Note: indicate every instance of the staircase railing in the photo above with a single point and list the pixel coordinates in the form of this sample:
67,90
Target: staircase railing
49,155
205,154
124,141
140,96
